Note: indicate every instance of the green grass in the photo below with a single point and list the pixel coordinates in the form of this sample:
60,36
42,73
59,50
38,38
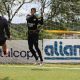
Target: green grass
45,72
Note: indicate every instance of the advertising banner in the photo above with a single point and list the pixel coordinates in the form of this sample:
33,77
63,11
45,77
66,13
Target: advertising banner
61,50
18,52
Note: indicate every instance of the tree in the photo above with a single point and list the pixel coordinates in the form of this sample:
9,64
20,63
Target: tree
2,11
65,8
7,7
44,4
64,11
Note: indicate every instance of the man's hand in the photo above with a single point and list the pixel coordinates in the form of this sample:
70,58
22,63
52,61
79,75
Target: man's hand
28,14
9,38
27,17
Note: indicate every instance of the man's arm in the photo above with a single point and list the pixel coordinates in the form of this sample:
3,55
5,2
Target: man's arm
7,30
28,16
40,20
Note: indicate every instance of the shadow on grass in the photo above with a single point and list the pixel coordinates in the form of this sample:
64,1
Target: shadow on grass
38,69
6,78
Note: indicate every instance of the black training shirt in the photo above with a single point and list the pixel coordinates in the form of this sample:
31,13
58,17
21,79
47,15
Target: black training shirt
4,29
33,21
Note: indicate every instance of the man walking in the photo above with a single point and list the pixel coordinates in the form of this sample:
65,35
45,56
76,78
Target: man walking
4,31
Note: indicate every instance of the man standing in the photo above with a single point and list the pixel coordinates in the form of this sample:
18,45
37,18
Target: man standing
4,31
33,34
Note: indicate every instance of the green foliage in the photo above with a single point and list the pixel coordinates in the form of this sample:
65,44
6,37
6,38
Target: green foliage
64,12
18,31
45,72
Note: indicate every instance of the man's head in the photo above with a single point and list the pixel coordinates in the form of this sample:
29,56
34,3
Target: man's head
33,11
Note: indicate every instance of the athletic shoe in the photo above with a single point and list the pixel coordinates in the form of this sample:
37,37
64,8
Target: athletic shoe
41,63
36,63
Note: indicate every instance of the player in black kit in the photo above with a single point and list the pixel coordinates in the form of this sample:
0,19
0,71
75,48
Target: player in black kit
33,34
4,34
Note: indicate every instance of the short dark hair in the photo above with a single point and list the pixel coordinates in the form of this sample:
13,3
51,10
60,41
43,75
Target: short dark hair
33,9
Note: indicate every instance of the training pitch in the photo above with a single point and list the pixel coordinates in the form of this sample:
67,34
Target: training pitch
36,72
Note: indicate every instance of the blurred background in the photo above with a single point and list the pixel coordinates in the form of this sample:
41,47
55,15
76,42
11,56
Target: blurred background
60,15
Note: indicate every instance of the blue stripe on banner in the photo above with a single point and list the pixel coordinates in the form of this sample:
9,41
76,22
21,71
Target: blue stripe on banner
62,58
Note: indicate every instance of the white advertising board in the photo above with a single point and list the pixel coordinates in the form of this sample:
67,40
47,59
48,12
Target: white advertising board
61,50
18,52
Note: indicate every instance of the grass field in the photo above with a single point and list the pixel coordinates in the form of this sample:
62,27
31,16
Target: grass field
36,72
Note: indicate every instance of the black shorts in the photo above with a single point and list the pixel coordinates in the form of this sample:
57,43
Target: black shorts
2,41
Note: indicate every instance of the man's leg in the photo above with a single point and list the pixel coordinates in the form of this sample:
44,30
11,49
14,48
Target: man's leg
37,48
5,49
30,43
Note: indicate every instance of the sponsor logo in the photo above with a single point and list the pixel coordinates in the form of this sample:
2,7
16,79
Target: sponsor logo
17,53
62,51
